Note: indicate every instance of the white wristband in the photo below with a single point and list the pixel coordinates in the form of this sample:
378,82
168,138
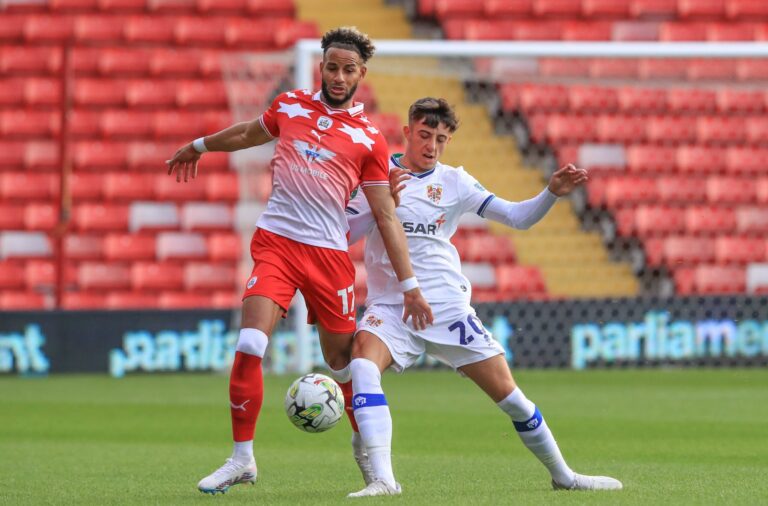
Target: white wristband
199,145
409,284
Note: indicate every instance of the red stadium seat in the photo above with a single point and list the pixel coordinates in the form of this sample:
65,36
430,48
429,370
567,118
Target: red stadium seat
84,300
121,186
40,274
605,8
99,155
652,8
200,31
272,8
85,124
730,100
85,186
687,99
709,220
673,31
716,279
623,129
12,301
100,217
41,91
712,69
125,61
167,188
520,280
626,68
150,156
11,91
227,247
739,250
458,8
671,129
762,190
171,6
716,129
564,67
59,6
638,100
103,276
731,190
41,155
697,159
569,128
752,220
208,276
12,154
41,216
11,216
556,8
132,300
83,247
495,9
185,300
288,32
12,275
209,94
711,9
149,29
587,30
157,276
664,68
488,248
123,124
592,98
98,28
681,189
684,250
25,123
99,92
150,93
253,34
746,160
25,186
746,9
534,97
122,5
622,191
129,247
722,32
658,220
15,60
181,246
643,157
757,130
45,28
222,187
748,69
222,6
173,124
225,299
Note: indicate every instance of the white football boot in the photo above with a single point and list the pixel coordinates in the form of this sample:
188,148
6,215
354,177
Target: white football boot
231,473
584,482
378,487
361,457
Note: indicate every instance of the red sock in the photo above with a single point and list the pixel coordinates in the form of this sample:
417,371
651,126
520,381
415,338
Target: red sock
346,389
246,393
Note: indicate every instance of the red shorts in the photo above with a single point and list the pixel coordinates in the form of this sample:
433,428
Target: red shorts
326,278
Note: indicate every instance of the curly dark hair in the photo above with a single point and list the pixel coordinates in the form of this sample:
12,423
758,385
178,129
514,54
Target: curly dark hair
348,37
434,111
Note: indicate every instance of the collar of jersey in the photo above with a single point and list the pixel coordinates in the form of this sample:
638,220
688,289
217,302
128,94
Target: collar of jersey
396,161
353,111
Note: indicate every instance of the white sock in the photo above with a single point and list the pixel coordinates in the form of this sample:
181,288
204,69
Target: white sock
373,417
536,436
243,452
342,375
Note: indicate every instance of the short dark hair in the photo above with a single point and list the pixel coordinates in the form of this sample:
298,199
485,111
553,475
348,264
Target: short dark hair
348,37
433,111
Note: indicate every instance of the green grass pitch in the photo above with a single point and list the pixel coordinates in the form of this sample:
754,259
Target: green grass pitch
672,437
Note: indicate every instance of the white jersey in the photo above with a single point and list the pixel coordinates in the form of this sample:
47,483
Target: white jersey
431,205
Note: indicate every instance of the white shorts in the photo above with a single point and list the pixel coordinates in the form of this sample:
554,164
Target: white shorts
457,336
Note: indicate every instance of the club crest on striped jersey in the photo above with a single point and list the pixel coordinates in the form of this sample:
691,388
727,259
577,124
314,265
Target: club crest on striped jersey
435,192
324,123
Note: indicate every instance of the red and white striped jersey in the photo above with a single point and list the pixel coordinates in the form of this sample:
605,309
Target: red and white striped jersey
322,155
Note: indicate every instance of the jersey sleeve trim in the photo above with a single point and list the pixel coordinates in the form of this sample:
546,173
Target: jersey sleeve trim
484,205
350,210
374,183
264,126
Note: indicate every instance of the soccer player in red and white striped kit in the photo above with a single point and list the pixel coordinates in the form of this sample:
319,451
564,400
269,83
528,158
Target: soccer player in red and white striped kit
325,148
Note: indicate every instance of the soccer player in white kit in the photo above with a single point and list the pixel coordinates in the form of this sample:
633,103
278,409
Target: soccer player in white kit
431,203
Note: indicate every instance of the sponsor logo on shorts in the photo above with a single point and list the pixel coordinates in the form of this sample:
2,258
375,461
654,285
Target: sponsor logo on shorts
324,122
251,282
373,321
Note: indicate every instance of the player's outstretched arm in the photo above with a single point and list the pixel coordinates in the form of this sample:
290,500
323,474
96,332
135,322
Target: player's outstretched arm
383,209
523,215
238,136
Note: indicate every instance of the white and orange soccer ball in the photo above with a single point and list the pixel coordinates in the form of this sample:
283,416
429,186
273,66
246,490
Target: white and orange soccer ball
314,403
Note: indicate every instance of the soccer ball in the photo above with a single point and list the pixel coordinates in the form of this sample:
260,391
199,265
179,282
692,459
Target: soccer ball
314,403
